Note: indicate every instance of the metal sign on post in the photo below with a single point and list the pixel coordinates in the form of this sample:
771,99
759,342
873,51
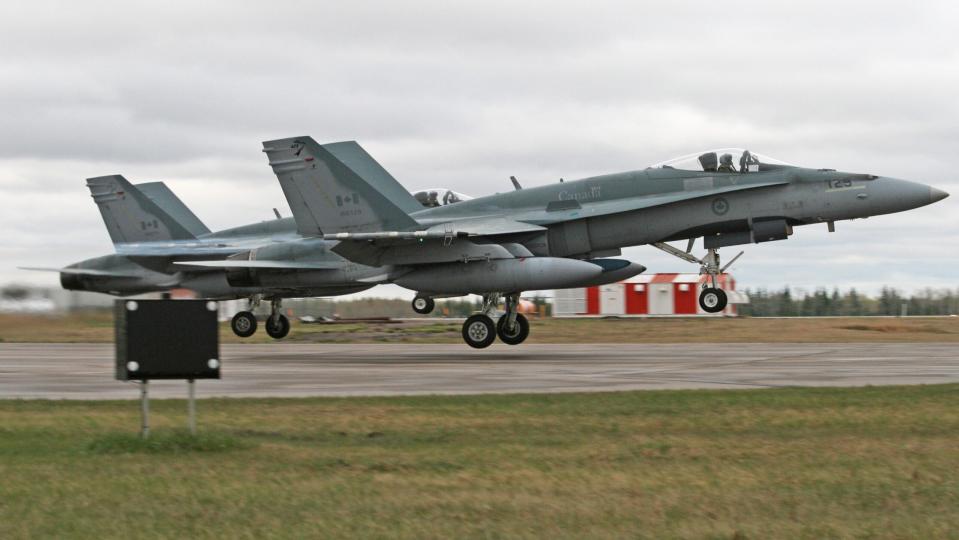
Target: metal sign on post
166,339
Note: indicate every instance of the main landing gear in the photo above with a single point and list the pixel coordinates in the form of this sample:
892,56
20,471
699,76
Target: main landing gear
712,299
480,332
277,325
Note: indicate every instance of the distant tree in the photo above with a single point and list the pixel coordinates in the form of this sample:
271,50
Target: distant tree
835,302
15,292
852,304
786,307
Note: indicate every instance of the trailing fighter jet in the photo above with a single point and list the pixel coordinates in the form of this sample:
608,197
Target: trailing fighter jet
160,245
560,235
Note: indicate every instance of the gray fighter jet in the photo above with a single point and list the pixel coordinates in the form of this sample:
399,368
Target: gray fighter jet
160,245
560,235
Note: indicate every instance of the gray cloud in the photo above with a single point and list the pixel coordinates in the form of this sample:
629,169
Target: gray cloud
466,95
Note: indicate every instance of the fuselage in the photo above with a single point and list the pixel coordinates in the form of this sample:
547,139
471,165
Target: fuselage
153,266
654,205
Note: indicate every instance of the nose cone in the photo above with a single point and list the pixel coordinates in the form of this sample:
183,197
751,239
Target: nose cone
888,195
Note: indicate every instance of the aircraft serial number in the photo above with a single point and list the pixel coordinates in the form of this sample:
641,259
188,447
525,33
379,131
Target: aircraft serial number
843,183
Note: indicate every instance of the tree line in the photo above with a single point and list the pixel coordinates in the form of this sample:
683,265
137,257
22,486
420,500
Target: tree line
821,302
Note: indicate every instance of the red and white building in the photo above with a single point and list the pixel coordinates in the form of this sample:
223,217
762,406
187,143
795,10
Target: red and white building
648,295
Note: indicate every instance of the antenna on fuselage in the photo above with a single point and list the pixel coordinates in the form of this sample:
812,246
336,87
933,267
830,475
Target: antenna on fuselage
277,214
515,183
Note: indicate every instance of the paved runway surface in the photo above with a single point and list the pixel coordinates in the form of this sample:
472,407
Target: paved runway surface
85,371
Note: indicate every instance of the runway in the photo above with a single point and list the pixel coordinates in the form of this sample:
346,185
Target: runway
85,371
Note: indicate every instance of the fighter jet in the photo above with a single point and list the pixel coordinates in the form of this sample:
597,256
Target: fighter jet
160,245
561,235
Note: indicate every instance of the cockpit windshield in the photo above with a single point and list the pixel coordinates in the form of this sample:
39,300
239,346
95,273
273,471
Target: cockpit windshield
730,160
431,198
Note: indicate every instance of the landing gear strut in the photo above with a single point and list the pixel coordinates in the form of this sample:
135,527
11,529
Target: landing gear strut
277,326
712,299
512,328
480,332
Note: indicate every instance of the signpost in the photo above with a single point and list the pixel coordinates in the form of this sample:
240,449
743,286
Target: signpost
166,339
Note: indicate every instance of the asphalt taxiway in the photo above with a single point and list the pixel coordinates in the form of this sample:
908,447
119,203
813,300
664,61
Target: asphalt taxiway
85,371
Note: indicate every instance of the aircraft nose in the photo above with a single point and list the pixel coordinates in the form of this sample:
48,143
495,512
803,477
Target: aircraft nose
936,195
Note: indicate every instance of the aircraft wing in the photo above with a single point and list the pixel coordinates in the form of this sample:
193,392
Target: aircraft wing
266,265
180,249
482,226
83,272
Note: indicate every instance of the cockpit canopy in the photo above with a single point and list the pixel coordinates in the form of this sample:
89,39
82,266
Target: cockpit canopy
433,197
723,160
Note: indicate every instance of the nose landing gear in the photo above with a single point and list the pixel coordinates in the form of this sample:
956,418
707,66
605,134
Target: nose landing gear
423,305
712,299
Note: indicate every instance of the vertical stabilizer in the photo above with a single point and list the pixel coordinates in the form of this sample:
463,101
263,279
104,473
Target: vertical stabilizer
130,216
163,196
362,163
326,196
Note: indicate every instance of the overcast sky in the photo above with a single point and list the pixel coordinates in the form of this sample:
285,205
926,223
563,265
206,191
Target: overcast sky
464,95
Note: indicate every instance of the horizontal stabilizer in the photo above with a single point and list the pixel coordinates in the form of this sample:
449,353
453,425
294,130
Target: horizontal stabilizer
276,265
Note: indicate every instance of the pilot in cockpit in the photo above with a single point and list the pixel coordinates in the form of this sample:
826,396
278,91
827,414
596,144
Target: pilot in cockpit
746,160
726,163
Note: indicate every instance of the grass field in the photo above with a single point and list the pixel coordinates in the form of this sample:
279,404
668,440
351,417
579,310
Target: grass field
98,327
785,463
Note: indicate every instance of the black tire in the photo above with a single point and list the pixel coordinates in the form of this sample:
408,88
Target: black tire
713,300
279,328
243,324
520,330
479,331
423,305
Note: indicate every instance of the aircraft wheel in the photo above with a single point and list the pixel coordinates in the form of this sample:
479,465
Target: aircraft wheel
279,328
423,305
243,324
520,330
712,300
479,331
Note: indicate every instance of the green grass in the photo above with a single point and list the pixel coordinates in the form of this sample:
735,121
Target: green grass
875,462
170,442
97,327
